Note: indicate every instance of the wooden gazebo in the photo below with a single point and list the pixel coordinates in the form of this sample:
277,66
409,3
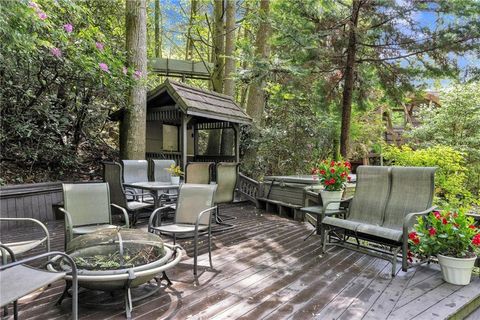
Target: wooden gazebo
176,115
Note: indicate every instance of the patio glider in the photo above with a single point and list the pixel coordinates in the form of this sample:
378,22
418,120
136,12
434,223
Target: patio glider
87,208
386,204
19,279
198,172
112,173
192,215
20,247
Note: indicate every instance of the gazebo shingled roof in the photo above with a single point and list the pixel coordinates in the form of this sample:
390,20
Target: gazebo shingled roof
199,102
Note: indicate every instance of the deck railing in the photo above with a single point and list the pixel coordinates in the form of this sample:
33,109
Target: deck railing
248,188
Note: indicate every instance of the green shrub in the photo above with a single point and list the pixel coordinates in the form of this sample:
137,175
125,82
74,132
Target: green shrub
451,176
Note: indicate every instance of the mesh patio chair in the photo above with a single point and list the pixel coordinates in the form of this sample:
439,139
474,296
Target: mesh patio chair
20,247
112,174
226,176
198,172
19,279
87,208
193,215
161,174
136,171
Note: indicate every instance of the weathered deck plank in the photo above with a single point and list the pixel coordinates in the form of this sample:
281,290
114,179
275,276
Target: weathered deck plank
264,269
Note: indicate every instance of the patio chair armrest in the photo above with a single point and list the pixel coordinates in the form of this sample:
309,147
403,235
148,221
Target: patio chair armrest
4,248
200,215
343,201
407,221
68,223
153,216
125,214
44,228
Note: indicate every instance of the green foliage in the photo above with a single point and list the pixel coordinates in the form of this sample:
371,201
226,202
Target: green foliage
60,77
455,123
447,233
450,178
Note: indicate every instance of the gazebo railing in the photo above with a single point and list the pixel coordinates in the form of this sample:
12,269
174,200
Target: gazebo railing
248,188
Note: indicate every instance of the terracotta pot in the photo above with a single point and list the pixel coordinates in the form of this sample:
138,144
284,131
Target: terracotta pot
456,270
328,196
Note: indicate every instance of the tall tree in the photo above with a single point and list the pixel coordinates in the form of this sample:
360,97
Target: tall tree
158,37
133,128
218,59
193,14
227,142
349,76
256,94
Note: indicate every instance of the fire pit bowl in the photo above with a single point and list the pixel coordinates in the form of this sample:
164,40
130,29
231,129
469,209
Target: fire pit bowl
119,259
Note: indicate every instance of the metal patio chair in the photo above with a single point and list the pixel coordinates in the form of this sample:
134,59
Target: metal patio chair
193,215
161,174
112,174
198,172
19,279
87,208
20,247
226,179
136,171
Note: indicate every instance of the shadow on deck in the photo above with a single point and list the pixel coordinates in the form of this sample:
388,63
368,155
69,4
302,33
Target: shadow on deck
264,270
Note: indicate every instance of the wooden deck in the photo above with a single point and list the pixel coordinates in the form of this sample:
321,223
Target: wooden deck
264,270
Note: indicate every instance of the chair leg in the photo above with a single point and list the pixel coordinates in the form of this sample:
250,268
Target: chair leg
174,238
324,237
195,253
210,247
310,234
15,310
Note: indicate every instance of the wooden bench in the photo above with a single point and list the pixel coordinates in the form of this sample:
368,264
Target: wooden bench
282,208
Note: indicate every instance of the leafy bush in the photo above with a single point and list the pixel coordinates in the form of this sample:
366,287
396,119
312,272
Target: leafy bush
60,77
450,178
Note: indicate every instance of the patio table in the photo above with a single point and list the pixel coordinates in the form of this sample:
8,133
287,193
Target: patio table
153,187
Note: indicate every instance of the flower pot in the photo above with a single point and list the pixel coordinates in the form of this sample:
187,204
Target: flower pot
328,196
456,270
175,180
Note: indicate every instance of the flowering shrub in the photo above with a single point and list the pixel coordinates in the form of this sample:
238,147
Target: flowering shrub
333,175
175,171
447,233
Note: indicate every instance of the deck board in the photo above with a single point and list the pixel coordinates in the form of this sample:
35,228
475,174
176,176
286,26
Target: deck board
264,270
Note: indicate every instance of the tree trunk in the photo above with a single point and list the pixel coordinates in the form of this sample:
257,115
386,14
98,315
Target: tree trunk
158,43
214,136
349,77
134,122
228,137
193,14
256,95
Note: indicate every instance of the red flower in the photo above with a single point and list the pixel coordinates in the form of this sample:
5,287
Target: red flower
432,231
444,221
332,163
332,170
349,178
409,256
437,214
314,170
476,240
322,172
472,227
343,174
414,237
332,181
327,182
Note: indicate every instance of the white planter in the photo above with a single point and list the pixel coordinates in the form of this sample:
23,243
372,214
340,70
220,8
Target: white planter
456,270
328,196
175,180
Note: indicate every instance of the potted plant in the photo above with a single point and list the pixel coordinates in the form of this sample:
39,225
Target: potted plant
175,172
453,238
332,176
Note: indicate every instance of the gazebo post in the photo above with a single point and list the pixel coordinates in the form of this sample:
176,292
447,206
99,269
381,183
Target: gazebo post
236,129
184,149
195,141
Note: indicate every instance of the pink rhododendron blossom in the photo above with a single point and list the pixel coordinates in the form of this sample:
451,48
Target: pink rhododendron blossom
33,5
41,15
103,67
137,74
99,46
56,52
68,27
